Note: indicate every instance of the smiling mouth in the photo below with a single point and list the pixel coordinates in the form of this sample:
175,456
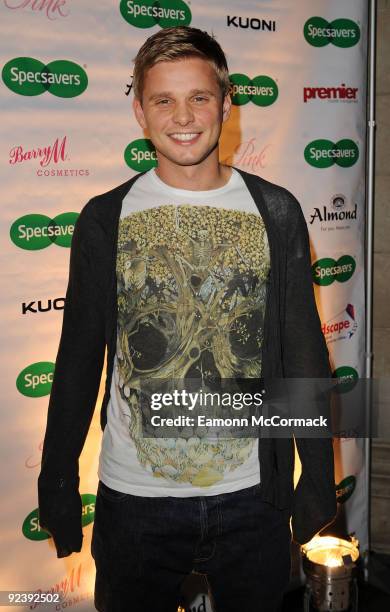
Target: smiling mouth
185,137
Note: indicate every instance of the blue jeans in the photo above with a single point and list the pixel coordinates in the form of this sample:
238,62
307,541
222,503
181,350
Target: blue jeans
145,547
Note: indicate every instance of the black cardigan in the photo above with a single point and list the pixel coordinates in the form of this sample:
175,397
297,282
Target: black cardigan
293,346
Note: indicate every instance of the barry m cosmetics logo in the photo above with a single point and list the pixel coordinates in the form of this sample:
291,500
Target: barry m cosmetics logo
49,159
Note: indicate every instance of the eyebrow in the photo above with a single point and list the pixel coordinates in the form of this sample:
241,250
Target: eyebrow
193,92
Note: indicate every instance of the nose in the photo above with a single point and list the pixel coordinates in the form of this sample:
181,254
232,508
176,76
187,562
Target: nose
183,113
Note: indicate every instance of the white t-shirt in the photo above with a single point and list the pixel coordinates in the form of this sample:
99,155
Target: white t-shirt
191,279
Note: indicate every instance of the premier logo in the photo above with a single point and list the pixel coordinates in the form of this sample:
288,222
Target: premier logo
140,155
264,25
318,32
36,379
261,90
341,326
324,153
27,76
34,232
148,13
327,270
334,94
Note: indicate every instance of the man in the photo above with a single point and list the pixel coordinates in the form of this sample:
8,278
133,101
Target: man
193,269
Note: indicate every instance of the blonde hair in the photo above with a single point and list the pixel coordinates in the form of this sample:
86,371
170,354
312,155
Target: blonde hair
176,43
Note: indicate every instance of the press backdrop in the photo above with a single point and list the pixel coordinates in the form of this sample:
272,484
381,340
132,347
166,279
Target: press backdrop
298,71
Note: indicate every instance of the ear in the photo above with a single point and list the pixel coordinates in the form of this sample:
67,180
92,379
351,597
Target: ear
139,113
226,107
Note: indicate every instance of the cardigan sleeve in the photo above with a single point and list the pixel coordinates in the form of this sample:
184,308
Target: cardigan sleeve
73,395
305,355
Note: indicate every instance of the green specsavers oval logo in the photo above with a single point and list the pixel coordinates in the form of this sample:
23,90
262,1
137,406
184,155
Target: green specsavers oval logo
347,378
34,232
33,531
327,270
27,76
149,13
341,32
345,489
324,153
140,155
262,90
36,379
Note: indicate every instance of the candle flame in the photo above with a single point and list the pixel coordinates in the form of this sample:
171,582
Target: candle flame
329,551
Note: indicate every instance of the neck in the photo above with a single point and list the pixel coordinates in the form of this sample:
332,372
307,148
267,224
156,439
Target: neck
209,174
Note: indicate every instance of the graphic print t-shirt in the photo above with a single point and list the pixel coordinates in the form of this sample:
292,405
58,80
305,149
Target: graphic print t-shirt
191,280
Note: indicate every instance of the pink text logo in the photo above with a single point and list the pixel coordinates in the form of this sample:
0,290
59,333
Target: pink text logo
52,8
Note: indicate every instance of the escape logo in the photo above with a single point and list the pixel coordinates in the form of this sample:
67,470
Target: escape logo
341,326
27,76
262,90
36,379
345,489
34,232
148,13
324,153
319,32
327,270
33,531
140,155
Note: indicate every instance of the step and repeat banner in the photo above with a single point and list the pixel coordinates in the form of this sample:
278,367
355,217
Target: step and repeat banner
298,74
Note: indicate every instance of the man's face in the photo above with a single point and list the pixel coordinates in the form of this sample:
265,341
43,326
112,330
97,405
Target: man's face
183,110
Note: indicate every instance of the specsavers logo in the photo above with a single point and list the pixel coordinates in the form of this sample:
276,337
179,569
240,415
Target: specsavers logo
324,153
140,155
327,270
27,76
347,378
149,13
262,90
33,531
341,32
34,232
345,489
36,379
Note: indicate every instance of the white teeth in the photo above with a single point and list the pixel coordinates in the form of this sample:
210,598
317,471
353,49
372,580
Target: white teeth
183,136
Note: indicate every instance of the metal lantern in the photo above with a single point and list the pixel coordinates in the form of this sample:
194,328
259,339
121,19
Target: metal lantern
329,564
